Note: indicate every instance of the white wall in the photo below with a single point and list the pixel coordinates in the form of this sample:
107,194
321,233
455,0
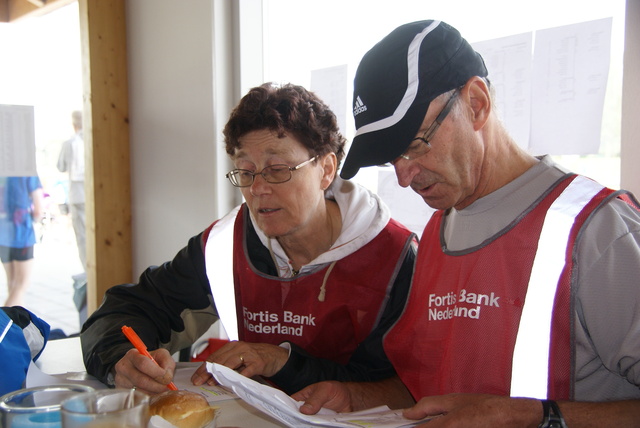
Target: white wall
171,122
181,88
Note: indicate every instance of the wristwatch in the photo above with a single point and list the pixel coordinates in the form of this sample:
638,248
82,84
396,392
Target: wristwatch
551,415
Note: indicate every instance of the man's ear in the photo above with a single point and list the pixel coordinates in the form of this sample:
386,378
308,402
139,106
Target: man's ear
478,97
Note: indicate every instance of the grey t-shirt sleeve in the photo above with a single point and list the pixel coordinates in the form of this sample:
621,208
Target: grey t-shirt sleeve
607,316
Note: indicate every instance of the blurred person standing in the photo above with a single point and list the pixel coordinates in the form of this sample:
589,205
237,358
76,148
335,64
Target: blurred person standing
71,160
21,203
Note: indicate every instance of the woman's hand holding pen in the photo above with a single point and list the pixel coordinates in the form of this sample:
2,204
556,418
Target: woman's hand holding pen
135,369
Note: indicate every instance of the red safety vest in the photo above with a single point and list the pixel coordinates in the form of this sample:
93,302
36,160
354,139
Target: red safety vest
496,318
269,309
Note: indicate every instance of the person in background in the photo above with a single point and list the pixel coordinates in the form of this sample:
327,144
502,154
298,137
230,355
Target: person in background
71,160
523,309
21,205
306,275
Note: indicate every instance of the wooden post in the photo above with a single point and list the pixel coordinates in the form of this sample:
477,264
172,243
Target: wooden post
106,132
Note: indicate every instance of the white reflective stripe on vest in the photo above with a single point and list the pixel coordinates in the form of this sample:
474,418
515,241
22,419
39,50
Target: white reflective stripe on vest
530,370
219,263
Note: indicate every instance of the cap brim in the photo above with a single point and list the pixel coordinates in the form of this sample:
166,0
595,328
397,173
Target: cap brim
373,148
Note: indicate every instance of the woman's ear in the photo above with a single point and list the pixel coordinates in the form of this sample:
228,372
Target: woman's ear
329,164
478,96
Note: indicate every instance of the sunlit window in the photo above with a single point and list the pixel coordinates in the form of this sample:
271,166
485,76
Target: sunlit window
301,37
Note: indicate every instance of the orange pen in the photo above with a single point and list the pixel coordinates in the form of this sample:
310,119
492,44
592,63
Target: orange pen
142,348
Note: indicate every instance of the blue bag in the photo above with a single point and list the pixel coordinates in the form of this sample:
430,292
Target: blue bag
23,336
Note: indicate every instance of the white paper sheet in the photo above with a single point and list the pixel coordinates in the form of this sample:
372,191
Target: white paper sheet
570,70
182,379
17,141
509,61
282,407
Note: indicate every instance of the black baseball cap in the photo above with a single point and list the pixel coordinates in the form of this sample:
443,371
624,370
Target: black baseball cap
395,82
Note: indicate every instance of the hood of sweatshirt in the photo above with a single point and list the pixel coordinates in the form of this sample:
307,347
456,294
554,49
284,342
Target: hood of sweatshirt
363,214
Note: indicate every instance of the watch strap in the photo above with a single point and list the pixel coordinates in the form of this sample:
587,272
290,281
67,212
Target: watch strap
551,415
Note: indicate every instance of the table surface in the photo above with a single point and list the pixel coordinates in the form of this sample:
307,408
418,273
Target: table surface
64,356
61,356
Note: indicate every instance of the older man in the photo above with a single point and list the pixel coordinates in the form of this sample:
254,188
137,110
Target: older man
525,296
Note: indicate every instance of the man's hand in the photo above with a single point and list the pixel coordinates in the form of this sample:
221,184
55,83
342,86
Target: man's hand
330,395
134,369
354,396
249,359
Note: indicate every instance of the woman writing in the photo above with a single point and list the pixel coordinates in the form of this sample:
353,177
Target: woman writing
306,275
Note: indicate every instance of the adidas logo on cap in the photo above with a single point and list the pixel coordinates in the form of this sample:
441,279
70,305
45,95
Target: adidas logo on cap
359,106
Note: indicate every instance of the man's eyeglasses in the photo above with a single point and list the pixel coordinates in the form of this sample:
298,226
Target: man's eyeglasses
420,146
272,174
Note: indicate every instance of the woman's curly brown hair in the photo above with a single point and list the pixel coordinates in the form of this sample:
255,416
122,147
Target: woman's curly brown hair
286,110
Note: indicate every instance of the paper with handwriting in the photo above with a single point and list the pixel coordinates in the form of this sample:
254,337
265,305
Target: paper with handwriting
182,379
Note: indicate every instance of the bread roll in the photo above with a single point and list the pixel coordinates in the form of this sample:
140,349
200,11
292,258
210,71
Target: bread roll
184,409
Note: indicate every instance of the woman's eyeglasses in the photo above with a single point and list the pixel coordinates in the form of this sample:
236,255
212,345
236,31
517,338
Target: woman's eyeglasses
272,174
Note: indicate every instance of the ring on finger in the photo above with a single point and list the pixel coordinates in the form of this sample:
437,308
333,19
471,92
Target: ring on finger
241,359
